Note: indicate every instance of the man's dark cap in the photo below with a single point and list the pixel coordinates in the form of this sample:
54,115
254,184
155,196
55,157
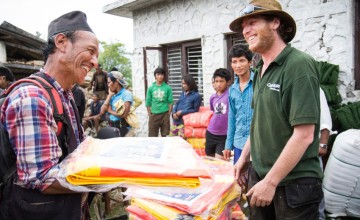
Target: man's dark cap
72,21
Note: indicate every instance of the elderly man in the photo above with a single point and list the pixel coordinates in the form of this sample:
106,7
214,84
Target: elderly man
285,176
34,193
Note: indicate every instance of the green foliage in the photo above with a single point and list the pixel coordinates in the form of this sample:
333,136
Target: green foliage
114,55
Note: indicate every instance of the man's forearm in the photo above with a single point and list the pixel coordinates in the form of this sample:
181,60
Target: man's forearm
56,188
245,153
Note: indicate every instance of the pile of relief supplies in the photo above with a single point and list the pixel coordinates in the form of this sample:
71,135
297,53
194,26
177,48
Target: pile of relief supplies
195,126
164,177
344,115
341,183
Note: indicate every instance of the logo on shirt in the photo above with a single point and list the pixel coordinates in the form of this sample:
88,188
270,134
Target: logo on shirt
273,86
158,94
220,108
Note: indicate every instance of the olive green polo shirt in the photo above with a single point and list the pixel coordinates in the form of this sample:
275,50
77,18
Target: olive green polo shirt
286,95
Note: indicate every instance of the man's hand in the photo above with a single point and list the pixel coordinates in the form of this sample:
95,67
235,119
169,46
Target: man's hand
111,93
261,193
241,172
322,151
227,154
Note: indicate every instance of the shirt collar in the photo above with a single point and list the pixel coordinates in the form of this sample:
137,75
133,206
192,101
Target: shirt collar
121,91
251,77
280,58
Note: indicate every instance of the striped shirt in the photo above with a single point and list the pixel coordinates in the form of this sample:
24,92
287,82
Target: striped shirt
27,116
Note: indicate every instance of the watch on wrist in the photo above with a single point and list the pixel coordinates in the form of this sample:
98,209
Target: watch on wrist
324,146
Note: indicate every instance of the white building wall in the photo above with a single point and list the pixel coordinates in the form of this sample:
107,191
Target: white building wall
324,30
2,52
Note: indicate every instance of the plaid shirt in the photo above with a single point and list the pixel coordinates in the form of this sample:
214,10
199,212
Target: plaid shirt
32,129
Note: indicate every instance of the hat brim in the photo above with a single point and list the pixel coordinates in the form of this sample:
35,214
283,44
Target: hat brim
122,82
285,18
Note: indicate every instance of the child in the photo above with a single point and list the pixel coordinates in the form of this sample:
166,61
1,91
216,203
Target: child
95,117
189,102
159,103
219,104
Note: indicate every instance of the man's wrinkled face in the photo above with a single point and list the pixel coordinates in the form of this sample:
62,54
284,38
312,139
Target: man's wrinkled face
82,55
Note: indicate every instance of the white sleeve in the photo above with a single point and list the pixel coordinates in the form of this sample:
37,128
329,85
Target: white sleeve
325,116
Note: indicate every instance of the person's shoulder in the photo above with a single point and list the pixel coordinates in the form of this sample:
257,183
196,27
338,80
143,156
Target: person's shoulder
166,85
197,94
128,93
26,88
152,85
297,57
213,95
28,92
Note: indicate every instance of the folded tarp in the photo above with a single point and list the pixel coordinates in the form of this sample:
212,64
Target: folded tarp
210,197
137,213
198,119
164,212
197,142
191,132
99,165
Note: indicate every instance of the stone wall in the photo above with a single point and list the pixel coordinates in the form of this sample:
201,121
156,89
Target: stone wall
324,30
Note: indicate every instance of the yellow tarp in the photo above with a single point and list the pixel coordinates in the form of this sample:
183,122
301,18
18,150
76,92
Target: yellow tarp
167,161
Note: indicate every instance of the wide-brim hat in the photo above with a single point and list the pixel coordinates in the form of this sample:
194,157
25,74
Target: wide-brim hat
266,7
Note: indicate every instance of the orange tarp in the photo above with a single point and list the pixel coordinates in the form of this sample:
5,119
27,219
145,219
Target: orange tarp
191,132
136,161
198,119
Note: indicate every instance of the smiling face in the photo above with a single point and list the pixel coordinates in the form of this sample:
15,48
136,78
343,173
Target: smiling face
81,55
259,33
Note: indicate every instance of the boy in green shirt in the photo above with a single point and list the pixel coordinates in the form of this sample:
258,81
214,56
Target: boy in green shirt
159,103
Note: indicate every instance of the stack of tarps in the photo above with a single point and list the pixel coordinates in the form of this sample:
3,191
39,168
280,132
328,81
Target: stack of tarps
214,199
195,125
198,145
344,115
100,165
341,183
164,177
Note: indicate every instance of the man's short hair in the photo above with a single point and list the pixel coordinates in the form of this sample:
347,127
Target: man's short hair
9,76
159,70
239,51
